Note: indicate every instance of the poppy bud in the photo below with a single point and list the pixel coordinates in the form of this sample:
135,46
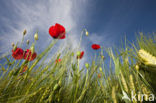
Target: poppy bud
87,65
28,42
78,53
36,36
103,57
24,32
136,67
87,33
100,69
13,44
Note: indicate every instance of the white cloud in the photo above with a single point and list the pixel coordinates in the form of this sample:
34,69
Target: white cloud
40,15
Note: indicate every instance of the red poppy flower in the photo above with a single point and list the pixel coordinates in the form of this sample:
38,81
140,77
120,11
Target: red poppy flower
18,53
81,55
99,75
29,56
57,31
96,46
24,69
58,60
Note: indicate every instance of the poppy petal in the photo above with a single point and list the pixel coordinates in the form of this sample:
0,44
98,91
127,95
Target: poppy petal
57,31
81,55
29,56
96,46
18,53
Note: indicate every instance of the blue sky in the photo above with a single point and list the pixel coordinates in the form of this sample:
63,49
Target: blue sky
108,21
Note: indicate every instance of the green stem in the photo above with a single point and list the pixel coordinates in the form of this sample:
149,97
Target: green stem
39,58
84,89
22,41
42,54
81,38
77,84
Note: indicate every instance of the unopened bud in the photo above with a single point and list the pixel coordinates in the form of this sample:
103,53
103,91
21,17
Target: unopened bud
136,67
103,57
100,69
28,42
78,53
13,44
87,65
24,32
36,36
87,33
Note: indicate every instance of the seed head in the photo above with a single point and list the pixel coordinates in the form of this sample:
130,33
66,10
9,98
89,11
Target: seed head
124,83
132,87
148,58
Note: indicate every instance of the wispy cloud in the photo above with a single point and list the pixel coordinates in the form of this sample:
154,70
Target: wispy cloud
40,15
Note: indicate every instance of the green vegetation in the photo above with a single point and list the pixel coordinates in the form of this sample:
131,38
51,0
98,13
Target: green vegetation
131,69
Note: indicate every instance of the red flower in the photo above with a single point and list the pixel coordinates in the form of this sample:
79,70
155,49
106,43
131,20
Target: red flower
96,46
29,56
57,31
99,75
18,53
58,60
81,55
24,68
